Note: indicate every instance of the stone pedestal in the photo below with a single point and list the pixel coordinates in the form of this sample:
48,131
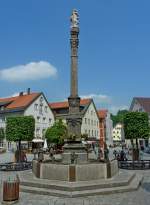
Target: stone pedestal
74,153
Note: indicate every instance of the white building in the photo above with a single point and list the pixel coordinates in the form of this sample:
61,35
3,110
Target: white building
118,134
34,104
90,119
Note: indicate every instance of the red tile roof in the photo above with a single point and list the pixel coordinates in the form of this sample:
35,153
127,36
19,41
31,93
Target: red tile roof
102,113
60,105
19,101
144,102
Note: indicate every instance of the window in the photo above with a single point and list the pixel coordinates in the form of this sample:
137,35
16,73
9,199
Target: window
95,133
50,120
44,119
35,106
89,121
2,108
85,131
97,123
89,132
46,108
92,112
2,119
41,109
38,119
85,120
43,132
92,133
37,131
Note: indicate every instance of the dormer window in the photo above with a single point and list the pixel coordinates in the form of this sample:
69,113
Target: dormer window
41,99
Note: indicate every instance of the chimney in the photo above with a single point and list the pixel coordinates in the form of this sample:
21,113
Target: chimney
28,91
21,94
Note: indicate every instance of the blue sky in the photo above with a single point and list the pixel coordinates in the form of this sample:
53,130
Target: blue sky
114,49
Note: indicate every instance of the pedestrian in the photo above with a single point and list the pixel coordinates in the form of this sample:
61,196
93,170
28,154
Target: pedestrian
115,154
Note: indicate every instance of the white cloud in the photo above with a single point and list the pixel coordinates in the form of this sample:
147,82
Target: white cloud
98,98
114,109
30,71
105,102
14,95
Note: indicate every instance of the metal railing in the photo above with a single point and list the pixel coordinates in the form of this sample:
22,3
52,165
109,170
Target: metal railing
137,165
15,166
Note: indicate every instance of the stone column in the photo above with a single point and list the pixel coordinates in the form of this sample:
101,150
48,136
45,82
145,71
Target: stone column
74,119
74,147
74,41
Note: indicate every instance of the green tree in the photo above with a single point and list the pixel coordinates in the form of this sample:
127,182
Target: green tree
119,117
20,128
136,125
57,133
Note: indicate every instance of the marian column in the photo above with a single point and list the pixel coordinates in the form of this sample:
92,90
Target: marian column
74,119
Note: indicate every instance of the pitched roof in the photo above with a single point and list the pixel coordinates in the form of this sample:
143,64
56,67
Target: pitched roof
144,102
60,105
102,113
18,101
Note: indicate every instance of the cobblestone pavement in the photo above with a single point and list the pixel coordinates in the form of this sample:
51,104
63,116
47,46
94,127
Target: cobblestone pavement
9,157
139,197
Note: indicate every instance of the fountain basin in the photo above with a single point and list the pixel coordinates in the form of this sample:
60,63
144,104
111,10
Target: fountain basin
75,172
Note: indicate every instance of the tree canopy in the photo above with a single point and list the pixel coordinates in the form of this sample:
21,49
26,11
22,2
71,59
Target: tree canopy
56,133
20,128
119,117
136,125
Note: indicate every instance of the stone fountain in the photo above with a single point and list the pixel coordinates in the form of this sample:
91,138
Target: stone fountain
74,175
74,165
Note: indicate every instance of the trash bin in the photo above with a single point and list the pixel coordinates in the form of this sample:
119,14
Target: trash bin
11,190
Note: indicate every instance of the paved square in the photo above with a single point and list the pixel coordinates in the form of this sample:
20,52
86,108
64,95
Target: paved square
140,197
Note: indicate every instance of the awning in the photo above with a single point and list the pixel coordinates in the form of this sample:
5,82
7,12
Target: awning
36,140
88,142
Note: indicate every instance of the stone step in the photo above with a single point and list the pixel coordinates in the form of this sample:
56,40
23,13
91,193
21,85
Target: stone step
134,184
121,180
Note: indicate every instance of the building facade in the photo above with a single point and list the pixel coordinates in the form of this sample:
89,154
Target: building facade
28,104
118,134
90,120
106,127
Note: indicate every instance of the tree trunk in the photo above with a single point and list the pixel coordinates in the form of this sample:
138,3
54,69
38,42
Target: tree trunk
137,147
135,151
19,148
